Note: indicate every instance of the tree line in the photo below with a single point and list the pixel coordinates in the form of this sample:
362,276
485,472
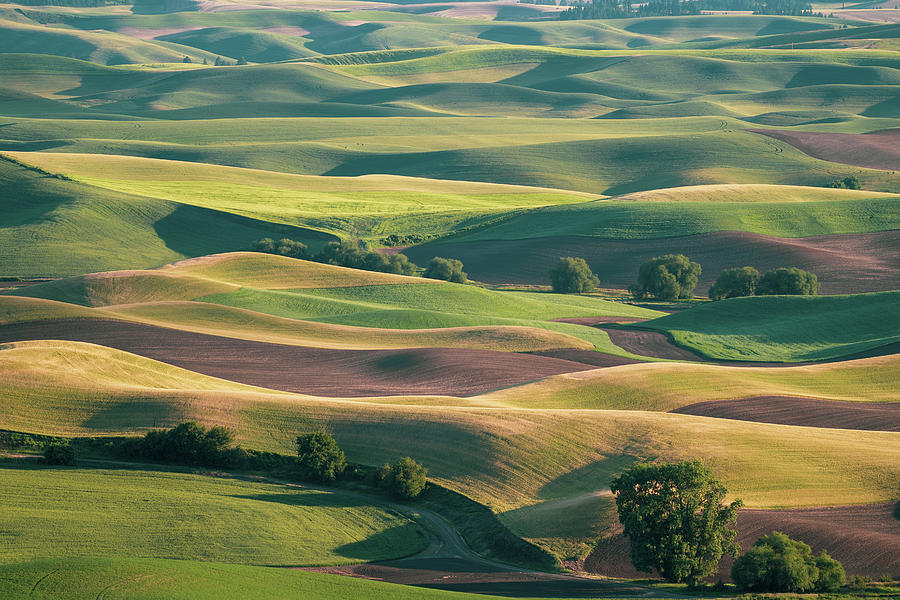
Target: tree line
674,277
621,9
356,254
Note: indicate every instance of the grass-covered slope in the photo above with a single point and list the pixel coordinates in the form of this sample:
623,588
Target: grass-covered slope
146,514
70,227
152,579
787,328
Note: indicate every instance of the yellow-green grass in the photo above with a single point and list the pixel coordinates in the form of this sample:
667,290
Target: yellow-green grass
787,328
666,386
70,513
154,579
372,205
248,325
749,192
53,227
505,457
102,47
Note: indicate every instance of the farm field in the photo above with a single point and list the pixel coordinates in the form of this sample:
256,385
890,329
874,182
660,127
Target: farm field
232,214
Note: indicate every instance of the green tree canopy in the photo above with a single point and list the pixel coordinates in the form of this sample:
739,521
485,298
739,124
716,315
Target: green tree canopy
675,519
447,269
734,283
788,281
319,456
668,277
405,478
572,276
777,563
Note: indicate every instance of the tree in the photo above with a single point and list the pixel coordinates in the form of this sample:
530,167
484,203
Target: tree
668,277
400,264
266,245
572,276
187,443
286,247
319,456
675,519
850,182
776,563
59,453
186,59
405,478
448,269
734,283
788,281
242,61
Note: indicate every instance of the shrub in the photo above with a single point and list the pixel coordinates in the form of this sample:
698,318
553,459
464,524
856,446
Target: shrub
675,519
848,183
776,563
59,453
404,479
788,281
668,277
447,269
319,456
572,276
350,253
187,443
733,283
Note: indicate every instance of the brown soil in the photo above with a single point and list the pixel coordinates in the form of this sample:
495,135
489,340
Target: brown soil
461,575
877,150
649,343
592,321
588,357
867,262
886,15
866,539
315,371
806,412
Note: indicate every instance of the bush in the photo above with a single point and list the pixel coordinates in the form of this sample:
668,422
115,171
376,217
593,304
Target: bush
404,479
188,443
284,247
734,283
319,456
350,253
59,453
788,281
447,269
848,183
668,277
776,563
572,276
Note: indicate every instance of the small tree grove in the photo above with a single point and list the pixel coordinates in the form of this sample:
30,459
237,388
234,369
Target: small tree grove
777,563
446,269
669,277
572,276
319,456
404,478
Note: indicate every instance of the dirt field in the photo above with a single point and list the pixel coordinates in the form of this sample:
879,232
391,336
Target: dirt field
845,264
806,412
649,343
315,371
877,150
866,539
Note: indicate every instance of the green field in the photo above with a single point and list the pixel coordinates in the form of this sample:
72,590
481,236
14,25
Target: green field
149,514
787,328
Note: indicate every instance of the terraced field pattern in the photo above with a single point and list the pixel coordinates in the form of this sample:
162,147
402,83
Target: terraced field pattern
147,146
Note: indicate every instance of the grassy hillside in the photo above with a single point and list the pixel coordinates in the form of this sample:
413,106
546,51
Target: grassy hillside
147,514
149,579
505,457
69,227
786,328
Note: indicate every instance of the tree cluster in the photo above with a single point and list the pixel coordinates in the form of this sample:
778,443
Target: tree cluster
620,9
319,456
572,276
776,563
745,281
188,443
851,182
349,253
675,519
59,453
404,478
669,277
446,269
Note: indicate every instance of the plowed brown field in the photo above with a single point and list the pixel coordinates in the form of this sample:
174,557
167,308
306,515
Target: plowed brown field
876,150
315,371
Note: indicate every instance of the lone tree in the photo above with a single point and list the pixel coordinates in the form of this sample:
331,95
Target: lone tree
572,276
59,453
675,519
405,478
788,281
319,456
668,277
734,283
776,563
448,269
